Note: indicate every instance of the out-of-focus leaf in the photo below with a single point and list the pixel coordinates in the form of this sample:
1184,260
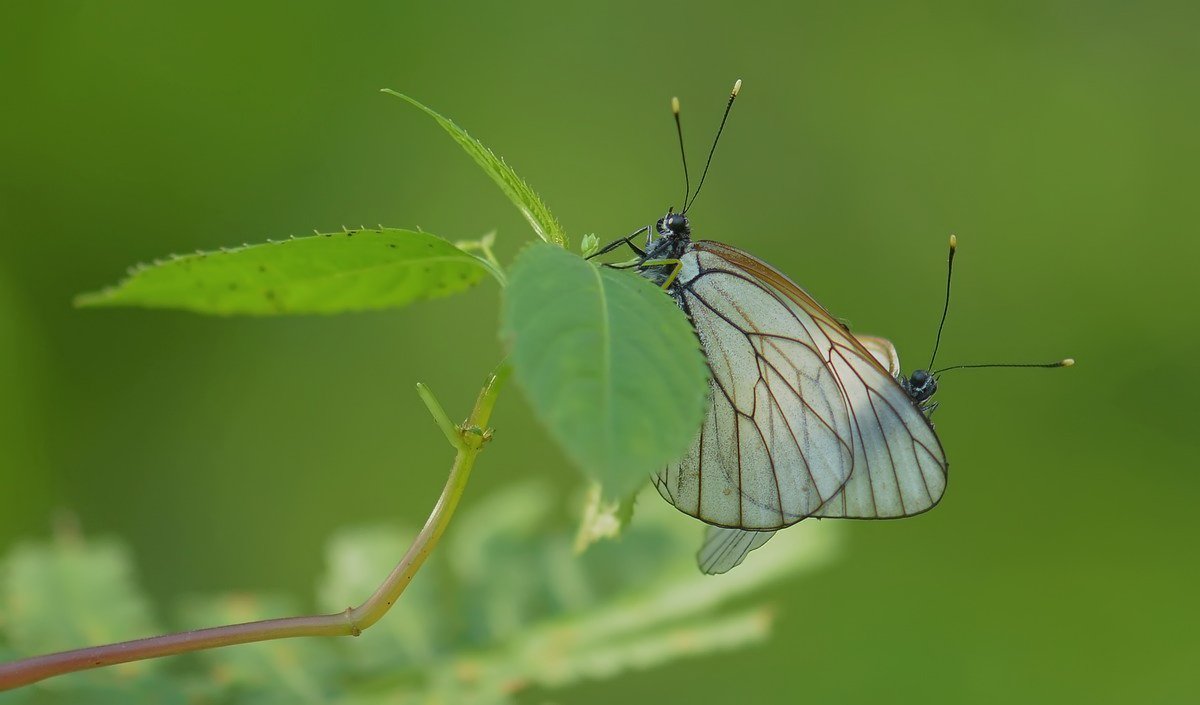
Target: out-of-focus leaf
94,688
358,270
608,362
500,544
601,660
670,614
522,196
357,560
70,594
602,518
281,671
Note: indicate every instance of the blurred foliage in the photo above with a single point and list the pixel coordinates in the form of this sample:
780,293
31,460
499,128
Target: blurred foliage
73,592
506,606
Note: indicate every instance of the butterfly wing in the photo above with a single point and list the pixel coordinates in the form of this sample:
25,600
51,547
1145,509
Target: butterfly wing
799,406
724,549
883,351
892,478
778,439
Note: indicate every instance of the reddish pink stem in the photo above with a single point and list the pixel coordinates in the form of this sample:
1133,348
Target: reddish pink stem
352,622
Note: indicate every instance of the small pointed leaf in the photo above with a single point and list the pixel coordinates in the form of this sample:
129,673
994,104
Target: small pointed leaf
523,197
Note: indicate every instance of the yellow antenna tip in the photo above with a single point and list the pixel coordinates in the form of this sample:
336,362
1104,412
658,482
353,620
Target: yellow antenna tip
675,105
1067,362
953,242
737,86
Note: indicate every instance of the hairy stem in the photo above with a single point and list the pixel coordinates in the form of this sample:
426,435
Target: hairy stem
470,439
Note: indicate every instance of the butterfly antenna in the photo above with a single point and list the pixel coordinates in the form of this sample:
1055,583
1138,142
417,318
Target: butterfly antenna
946,308
1060,363
687,185
733,94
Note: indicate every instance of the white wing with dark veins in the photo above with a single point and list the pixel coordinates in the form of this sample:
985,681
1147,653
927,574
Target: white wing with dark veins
805,419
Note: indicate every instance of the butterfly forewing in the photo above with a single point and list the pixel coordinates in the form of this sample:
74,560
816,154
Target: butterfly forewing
805,420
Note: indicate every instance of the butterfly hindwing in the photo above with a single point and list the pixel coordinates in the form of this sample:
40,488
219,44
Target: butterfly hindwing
724,549
883,351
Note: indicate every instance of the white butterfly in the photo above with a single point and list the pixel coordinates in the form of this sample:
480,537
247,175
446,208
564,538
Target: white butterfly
805,419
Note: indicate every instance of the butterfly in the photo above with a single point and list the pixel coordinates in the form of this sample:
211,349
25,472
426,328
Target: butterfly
805,419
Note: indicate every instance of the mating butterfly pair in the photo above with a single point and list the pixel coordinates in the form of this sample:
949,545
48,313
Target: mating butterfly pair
805,418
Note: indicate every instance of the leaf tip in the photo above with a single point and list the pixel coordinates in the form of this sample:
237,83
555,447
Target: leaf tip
96,299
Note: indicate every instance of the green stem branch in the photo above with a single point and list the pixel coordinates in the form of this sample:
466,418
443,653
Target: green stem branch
468,441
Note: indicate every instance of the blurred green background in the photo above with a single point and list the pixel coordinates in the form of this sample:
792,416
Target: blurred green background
1057,139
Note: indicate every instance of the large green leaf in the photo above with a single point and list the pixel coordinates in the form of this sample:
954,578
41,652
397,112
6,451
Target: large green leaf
607,361
523,197
356,270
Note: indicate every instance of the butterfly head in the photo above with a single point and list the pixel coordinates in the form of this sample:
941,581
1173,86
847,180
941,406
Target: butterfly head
919,386
674,225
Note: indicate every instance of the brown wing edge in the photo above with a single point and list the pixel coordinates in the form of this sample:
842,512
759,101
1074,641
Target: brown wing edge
786,286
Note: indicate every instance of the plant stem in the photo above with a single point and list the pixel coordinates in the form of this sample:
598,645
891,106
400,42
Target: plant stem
471,437
452,433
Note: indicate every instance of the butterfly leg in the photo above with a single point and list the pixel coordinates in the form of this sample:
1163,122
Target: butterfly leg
676,265
627,240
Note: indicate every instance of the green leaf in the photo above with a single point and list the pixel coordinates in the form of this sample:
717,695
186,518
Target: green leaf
523,197
589,245
357,270
608,363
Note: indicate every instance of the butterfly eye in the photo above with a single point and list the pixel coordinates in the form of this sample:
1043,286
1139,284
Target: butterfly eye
920,377
676,223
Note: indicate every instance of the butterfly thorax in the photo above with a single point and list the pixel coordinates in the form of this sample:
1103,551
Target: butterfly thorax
673,239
